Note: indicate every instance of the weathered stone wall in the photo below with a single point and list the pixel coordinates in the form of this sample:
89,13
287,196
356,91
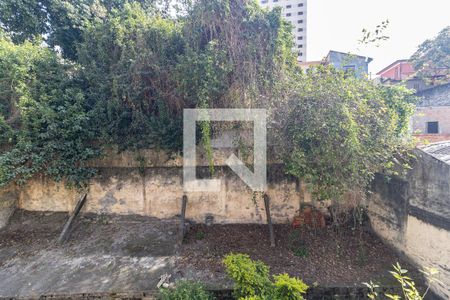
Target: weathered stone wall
423,115
150,183
434,106
413,215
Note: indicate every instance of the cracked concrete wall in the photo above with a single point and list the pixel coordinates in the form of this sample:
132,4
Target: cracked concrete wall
413,216
153,186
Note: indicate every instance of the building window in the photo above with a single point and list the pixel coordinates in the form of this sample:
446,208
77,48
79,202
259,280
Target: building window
300,54
300,13
300,5
300,38
349,69
275,0
300,29
288,6
300,46
288,14
300,21
432,127
264,1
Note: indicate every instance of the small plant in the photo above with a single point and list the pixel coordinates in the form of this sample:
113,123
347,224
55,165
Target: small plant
141,165
200,235
297,245
362,255
409,289
301,252
252,281
373,294
185,290
103,219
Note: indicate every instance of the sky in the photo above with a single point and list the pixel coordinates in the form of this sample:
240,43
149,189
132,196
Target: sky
337,25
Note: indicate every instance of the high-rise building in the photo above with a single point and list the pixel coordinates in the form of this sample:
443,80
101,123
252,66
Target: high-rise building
294,11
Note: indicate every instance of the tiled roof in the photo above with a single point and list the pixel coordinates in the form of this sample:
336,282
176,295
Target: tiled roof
440,151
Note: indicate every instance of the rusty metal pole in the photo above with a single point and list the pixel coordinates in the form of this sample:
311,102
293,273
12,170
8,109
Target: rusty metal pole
269,220
183,219
64,236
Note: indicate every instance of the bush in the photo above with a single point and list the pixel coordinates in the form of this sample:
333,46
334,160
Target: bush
288,288
185,290
337,131
252,280
44,122
251,277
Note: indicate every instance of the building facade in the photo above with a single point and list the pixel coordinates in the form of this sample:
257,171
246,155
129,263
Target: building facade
401,72
347,62
296,12
432,118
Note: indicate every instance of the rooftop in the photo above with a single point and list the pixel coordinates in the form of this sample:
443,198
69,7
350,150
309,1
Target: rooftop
440,151
369,59
392,65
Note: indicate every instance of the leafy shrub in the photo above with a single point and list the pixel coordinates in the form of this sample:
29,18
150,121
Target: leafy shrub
185,290
44,120
337,131
288,288
251,277
252,280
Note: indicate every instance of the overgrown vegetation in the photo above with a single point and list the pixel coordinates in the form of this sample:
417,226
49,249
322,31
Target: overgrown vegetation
338,130
120,73
44,119
133,71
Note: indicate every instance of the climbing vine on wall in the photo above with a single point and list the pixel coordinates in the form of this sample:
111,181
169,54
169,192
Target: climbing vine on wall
133,68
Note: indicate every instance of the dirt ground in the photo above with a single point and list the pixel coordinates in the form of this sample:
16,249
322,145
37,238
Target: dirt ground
321,257
125,254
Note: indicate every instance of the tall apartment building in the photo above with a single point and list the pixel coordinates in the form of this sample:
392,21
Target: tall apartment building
295,12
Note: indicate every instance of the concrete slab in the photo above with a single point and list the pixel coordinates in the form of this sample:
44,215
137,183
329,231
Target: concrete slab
104,254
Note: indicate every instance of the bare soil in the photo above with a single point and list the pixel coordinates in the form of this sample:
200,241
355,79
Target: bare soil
320,257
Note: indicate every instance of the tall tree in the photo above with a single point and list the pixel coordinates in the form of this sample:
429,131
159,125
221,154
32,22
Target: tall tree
59,22
432,58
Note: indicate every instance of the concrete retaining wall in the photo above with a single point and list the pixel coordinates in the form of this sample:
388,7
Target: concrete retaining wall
150,183
413,215
8,203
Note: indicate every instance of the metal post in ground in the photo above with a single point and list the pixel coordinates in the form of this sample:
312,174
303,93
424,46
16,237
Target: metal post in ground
269,220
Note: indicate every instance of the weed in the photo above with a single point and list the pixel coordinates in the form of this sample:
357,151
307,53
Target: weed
185,290
200,235
301,252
